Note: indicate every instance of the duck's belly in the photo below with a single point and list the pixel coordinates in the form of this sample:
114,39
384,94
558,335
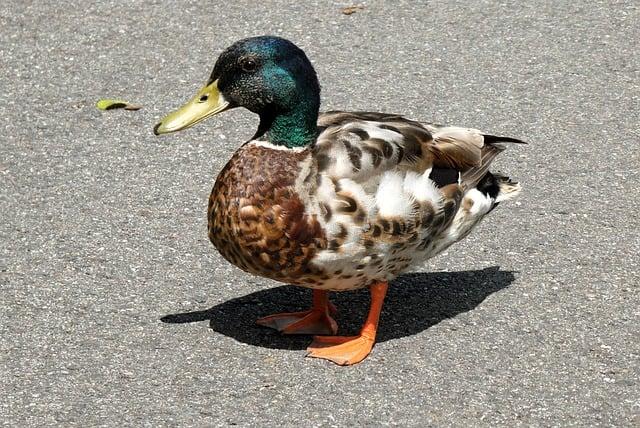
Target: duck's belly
259,242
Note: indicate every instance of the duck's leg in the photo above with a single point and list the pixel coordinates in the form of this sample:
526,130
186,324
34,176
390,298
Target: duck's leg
345,351
316,320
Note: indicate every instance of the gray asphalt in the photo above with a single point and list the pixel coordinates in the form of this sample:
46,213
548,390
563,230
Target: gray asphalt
116,310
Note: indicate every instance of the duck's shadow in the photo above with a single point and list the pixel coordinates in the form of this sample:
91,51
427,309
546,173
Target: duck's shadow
414,303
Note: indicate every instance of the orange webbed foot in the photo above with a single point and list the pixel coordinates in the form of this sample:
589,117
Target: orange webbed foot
341,350
307,322
346,351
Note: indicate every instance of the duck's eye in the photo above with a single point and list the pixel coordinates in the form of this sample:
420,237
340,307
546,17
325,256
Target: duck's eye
248,64
204,98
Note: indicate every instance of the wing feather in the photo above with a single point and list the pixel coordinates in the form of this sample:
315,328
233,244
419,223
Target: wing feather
359,145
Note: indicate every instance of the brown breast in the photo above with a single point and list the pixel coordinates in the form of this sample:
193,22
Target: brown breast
256,219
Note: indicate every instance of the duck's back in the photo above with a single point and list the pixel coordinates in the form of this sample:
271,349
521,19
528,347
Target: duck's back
376,194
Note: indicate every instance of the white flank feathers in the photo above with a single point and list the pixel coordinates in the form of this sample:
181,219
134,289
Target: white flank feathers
391,198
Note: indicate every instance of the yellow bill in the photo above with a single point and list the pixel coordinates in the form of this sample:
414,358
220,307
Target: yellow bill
207,102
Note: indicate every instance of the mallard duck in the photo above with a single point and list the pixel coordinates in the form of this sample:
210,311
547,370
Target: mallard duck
334,201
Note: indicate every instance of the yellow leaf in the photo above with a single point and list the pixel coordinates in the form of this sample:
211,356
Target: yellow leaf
107,104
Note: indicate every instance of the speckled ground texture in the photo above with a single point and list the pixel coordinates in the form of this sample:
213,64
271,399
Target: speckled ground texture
117,311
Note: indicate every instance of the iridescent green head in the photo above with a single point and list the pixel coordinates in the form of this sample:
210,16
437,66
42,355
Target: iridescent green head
269,76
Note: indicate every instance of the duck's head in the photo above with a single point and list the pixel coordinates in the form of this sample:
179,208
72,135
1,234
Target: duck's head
269,76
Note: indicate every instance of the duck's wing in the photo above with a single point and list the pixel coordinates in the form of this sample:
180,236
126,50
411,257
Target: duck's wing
360,145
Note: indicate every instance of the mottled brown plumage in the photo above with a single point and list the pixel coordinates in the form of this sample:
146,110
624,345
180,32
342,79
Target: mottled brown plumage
256,219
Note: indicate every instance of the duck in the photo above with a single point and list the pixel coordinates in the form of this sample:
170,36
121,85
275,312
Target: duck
338,200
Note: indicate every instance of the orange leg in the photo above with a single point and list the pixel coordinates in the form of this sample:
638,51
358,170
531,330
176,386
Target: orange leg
316,320
345,351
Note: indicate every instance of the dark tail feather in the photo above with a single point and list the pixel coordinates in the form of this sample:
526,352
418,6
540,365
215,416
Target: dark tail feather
494,139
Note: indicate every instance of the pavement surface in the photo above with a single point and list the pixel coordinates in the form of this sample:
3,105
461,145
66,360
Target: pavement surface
117,311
